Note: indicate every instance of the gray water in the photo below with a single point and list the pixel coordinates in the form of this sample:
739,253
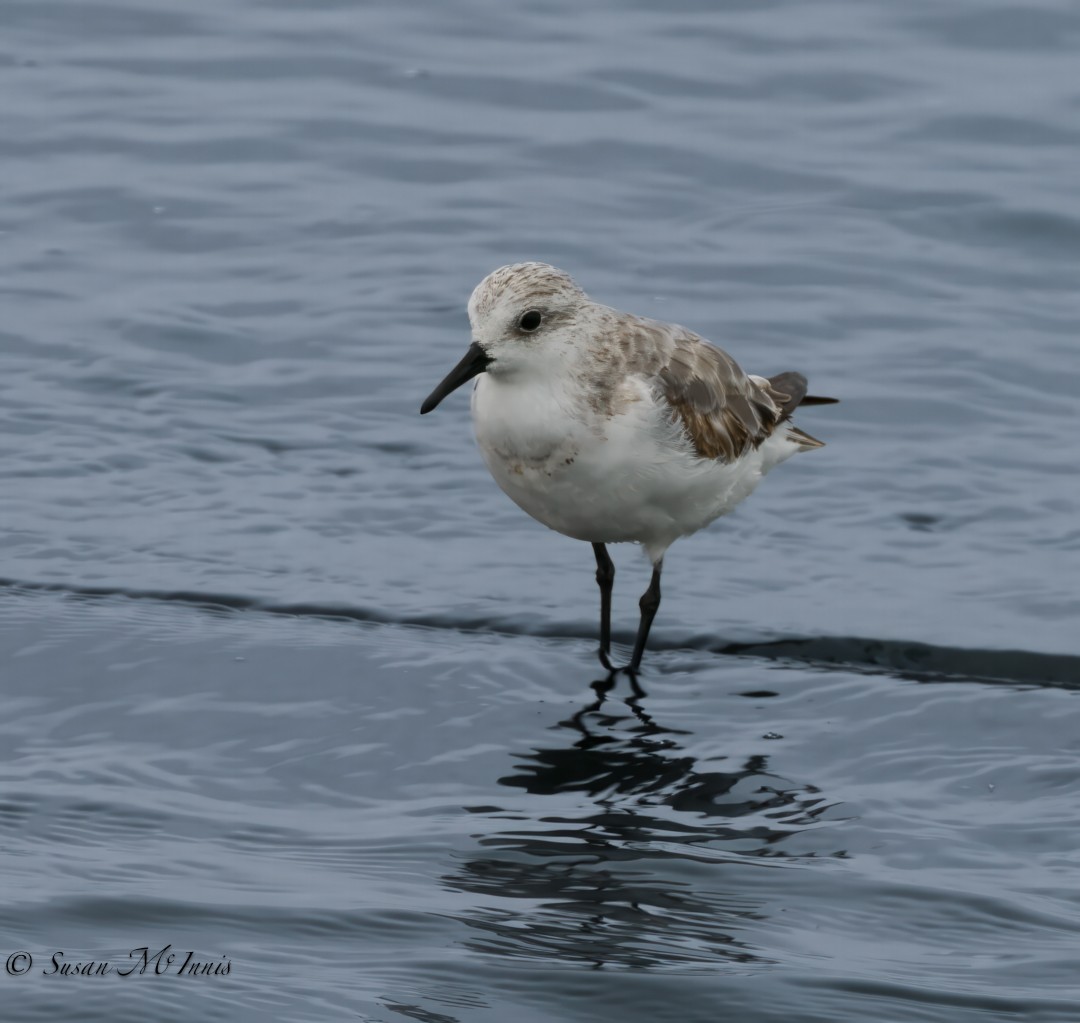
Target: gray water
289,684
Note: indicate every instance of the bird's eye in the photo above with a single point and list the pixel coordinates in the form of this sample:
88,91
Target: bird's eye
530,321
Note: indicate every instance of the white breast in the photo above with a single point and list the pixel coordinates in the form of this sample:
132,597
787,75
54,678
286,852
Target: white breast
630,477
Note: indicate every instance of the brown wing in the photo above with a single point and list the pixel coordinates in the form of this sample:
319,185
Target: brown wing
725,412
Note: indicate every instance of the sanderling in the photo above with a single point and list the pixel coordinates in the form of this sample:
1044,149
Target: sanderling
613,428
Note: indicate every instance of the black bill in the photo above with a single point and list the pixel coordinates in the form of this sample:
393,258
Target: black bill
476,360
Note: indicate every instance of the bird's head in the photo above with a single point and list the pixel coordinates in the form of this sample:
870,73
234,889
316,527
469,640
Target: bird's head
523,319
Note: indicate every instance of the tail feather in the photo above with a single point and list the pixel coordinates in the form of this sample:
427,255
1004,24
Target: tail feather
789,389
803,439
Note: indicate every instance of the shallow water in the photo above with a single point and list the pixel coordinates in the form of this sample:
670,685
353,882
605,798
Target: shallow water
290,683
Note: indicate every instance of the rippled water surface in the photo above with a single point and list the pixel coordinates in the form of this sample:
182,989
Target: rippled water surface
288,682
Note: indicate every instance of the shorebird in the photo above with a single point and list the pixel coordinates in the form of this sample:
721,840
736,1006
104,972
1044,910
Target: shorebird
614,428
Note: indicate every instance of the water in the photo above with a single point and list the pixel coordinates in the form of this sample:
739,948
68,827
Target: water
290,684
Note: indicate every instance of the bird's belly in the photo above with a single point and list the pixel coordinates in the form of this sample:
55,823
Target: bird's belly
608,500
632,481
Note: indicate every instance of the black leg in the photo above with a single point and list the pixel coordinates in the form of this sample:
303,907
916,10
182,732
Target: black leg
605,577
650,601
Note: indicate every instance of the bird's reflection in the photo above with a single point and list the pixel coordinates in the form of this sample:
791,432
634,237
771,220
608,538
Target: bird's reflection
628,863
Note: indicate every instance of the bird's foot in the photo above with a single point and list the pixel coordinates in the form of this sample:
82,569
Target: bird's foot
630,670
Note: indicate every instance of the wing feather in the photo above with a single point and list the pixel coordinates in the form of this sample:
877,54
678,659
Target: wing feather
723,411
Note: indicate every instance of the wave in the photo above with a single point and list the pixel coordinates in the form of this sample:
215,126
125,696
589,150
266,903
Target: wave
909,659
